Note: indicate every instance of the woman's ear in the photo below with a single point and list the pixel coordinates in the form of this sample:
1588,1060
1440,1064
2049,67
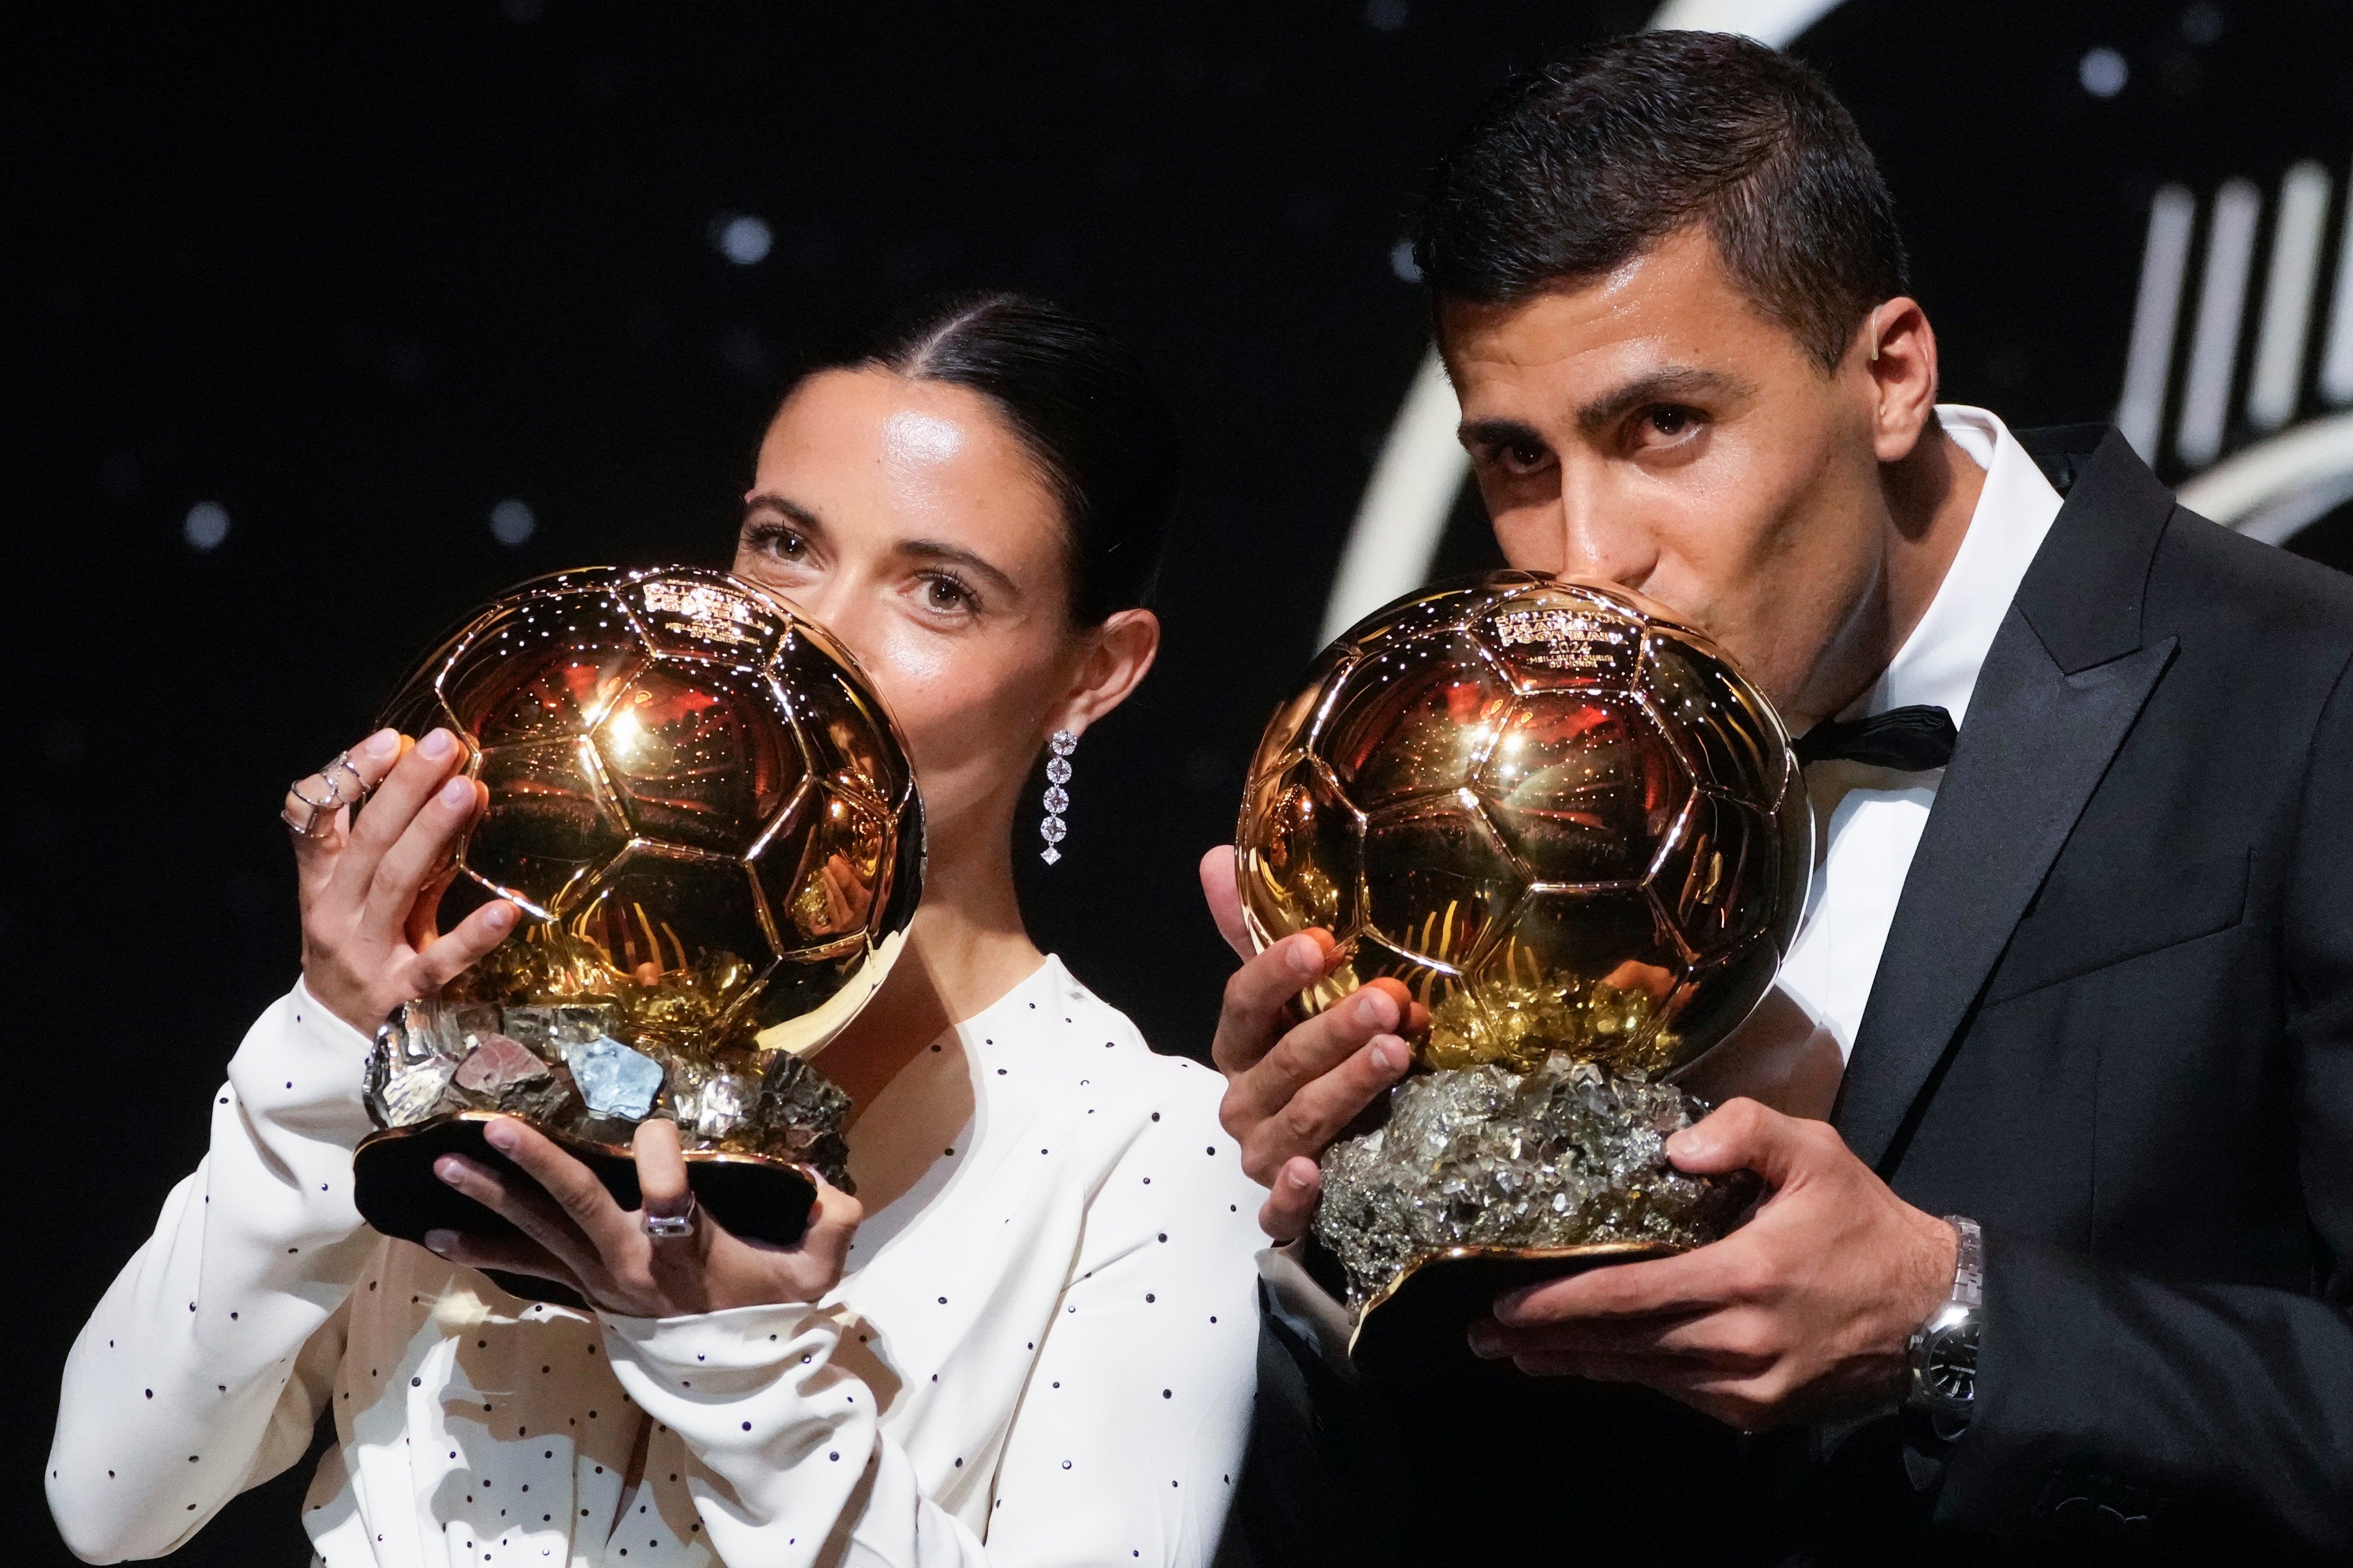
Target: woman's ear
1119,653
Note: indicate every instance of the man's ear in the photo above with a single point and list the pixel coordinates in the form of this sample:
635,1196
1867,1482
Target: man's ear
1119,654
1897,350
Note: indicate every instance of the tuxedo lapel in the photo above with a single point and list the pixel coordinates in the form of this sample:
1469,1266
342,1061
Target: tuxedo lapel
2060,687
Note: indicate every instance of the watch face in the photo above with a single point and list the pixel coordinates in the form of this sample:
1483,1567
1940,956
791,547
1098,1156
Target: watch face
1949,1369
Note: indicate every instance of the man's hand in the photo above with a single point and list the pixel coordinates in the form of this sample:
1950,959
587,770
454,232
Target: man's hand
1803,1313
1290,1087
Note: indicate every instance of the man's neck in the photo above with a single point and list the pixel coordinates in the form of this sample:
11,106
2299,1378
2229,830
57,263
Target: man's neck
1930,497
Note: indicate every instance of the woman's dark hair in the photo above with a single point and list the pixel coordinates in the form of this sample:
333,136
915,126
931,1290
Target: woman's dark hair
1081,404
1574,169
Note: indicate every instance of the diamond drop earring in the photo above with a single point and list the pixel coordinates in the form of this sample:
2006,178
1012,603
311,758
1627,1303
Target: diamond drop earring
1058,799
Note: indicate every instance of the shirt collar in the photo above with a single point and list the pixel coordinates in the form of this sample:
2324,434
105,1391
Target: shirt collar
1938,663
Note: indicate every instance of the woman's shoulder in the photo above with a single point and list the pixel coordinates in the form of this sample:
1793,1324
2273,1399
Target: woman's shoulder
1151,1117
1085,1050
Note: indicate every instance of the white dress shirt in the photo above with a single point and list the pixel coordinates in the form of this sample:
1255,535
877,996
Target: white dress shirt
1867,820
1043,1353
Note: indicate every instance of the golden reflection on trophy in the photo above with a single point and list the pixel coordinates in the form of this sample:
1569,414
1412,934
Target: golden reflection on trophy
710,825
1563,822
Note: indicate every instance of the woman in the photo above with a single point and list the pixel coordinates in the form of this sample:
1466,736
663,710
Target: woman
1029,1339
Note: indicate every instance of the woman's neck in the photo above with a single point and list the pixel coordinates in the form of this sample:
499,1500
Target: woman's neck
966,948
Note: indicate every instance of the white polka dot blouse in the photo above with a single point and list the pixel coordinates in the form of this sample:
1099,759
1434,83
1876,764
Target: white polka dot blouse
1042,1352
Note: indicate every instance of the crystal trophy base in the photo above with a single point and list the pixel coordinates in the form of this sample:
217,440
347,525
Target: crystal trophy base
1481,1180
757,1129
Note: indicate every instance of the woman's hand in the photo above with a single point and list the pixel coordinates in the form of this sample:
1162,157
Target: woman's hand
575,1234
370,884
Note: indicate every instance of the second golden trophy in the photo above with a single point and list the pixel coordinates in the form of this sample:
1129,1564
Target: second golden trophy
1574,834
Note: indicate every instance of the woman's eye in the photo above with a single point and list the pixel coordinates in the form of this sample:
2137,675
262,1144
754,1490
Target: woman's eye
947,594
771,540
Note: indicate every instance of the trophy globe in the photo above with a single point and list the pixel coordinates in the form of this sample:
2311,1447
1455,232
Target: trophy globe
1575,835
708,821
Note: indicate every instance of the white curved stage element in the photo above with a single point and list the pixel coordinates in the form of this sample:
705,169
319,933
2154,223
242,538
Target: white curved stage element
2272,490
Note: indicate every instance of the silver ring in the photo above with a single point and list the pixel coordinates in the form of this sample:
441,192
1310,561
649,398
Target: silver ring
322,811
672,1226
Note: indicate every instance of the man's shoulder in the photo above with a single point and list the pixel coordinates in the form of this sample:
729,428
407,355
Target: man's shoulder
2240,597
2223,595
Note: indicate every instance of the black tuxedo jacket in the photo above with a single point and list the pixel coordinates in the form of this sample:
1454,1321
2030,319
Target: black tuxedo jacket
2114,1024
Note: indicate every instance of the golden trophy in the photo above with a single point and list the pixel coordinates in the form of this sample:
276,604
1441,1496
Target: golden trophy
1577,836
709,822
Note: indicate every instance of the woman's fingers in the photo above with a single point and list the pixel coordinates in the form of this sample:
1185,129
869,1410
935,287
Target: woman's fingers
317,807
446,956
419,855
540,1220
509,1254
411,782
832,1223
661,1168
573,1187
1221,885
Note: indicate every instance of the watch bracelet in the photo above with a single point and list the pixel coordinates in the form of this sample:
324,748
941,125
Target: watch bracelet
1966,1295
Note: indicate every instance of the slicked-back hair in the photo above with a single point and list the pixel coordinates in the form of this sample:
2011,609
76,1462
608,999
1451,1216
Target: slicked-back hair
1080,404
1572,170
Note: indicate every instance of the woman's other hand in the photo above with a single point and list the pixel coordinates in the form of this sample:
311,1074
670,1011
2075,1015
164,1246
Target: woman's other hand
575,1234
372,878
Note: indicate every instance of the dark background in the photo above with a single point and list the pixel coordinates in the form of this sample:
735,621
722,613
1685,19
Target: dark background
355,276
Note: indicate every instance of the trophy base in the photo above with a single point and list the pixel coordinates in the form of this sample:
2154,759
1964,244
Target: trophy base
1472,1182
755,1197
1420,1327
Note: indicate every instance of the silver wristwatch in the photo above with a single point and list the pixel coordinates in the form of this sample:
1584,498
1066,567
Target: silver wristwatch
1944,1350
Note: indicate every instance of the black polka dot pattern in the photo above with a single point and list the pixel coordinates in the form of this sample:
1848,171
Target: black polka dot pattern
992,1278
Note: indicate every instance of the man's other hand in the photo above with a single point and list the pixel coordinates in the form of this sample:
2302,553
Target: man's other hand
1290,1087
1801,1314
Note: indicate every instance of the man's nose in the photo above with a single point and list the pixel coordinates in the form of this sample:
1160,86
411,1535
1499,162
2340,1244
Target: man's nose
1600,540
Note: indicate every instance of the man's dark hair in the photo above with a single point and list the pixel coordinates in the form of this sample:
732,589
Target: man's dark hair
1571,170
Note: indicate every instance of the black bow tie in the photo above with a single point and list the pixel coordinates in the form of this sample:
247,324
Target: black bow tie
1907,740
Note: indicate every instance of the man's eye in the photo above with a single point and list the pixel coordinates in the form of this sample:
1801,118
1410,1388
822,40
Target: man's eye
1670,421
1524,457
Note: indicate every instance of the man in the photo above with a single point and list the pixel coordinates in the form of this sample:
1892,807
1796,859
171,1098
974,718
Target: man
2071,1013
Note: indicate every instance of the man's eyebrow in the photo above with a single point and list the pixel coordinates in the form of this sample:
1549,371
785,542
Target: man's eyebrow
1664,385
957,555
1497,433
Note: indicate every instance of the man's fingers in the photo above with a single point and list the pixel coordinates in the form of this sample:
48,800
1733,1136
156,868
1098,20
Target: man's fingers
528,1211
1313,1114
1220,886
1257,1007
1741,1134
508,1254
1699,1281
1309,1050
1290,1200
572,1186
